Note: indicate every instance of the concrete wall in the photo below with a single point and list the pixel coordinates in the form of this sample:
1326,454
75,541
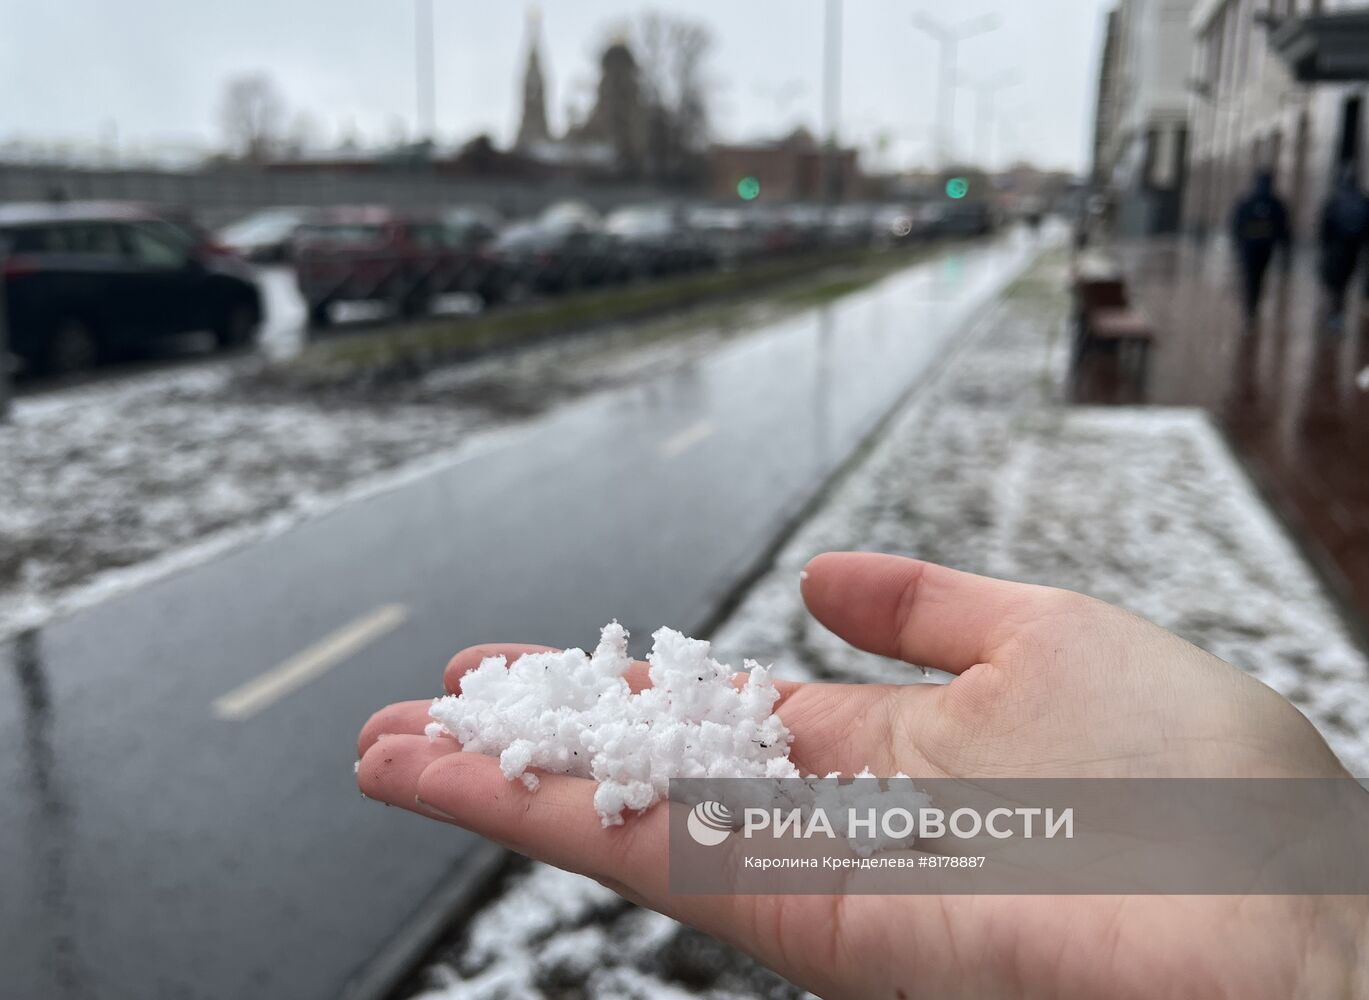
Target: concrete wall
214,197
1143,164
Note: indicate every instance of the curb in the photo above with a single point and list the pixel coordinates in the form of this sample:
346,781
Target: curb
398,958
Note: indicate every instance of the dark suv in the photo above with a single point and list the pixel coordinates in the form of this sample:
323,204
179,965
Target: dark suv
85,282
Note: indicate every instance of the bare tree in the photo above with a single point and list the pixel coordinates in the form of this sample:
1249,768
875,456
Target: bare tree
253,115
671,53
303,137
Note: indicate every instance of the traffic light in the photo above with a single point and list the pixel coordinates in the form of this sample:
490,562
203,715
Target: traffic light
957,188
748,188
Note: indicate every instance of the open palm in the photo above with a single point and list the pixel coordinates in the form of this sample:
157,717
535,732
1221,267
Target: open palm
1048,684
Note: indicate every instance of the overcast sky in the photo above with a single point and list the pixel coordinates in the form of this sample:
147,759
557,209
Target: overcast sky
152,71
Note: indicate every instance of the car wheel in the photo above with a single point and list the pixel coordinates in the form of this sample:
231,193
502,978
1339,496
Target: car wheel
321,314
416,304
401,301
237,325
517,292
72,347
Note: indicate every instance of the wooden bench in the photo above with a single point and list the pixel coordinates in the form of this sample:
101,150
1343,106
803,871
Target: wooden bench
1106,321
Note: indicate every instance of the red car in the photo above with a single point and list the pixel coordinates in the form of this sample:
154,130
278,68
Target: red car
376,255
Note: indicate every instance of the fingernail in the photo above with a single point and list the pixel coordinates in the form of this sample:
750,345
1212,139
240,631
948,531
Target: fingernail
803,575
432,810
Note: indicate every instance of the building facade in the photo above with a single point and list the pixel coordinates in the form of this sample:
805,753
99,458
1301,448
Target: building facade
1141,132
1264,98
795,168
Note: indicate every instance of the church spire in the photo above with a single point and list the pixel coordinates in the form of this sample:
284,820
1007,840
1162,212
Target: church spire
532,129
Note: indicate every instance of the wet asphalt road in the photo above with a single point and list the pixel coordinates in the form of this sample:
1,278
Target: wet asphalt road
150,848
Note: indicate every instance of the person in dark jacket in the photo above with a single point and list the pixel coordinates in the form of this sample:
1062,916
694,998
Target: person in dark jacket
1259,226
1344,225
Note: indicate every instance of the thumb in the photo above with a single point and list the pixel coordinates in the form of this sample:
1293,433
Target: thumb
918,611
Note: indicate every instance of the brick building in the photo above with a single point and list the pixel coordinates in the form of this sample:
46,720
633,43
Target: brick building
791,169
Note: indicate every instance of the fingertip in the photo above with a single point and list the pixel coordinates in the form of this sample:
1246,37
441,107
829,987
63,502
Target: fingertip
812,576
834,582
390,769
472,656
459,665
403,717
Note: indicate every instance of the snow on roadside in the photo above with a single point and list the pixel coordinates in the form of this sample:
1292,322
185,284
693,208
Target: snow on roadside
108,485
134,475
1145,508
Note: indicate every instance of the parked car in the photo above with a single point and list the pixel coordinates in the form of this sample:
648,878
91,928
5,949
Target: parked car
966,218
88,281
376,255
732,234
267,237
555,254
658,241
800,228
850,226
473,231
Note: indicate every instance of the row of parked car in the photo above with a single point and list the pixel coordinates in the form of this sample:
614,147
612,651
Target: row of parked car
86,281
406,260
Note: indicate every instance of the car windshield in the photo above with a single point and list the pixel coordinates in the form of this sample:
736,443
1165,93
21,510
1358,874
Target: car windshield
345,234
570,215
638,222
258,228
522,236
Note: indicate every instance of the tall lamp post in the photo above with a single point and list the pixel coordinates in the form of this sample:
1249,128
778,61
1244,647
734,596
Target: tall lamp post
949,38
985,91
425,86
831,99
6,376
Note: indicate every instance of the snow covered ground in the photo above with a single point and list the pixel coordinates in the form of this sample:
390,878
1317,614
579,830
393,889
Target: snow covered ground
109,484
986,472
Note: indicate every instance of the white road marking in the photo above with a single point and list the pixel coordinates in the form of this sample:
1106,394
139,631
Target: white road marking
678,444
309,664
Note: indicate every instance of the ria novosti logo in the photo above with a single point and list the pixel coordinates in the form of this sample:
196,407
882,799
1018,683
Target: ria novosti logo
709,823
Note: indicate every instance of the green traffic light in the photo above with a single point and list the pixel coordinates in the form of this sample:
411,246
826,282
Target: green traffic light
957,188
748,188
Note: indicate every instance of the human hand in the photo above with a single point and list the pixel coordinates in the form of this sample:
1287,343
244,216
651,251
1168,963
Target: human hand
1048,684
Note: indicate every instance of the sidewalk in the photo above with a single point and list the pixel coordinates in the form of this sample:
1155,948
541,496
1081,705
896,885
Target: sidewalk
1286,393
987,471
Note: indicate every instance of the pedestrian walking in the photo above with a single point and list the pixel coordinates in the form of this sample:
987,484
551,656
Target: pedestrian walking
1344,225
1259,226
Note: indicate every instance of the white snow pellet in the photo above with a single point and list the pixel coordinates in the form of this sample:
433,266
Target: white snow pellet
571,713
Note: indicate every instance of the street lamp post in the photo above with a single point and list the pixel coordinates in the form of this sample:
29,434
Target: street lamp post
985,93
1009,128
6,385
831,99
949,38
425,86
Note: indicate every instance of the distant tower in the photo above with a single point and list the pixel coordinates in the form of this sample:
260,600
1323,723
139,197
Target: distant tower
533,127
618,118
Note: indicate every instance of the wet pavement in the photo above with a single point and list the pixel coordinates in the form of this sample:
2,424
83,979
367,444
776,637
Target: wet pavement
1289,391
161,839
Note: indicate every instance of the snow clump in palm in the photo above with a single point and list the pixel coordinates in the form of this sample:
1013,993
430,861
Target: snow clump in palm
571,713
